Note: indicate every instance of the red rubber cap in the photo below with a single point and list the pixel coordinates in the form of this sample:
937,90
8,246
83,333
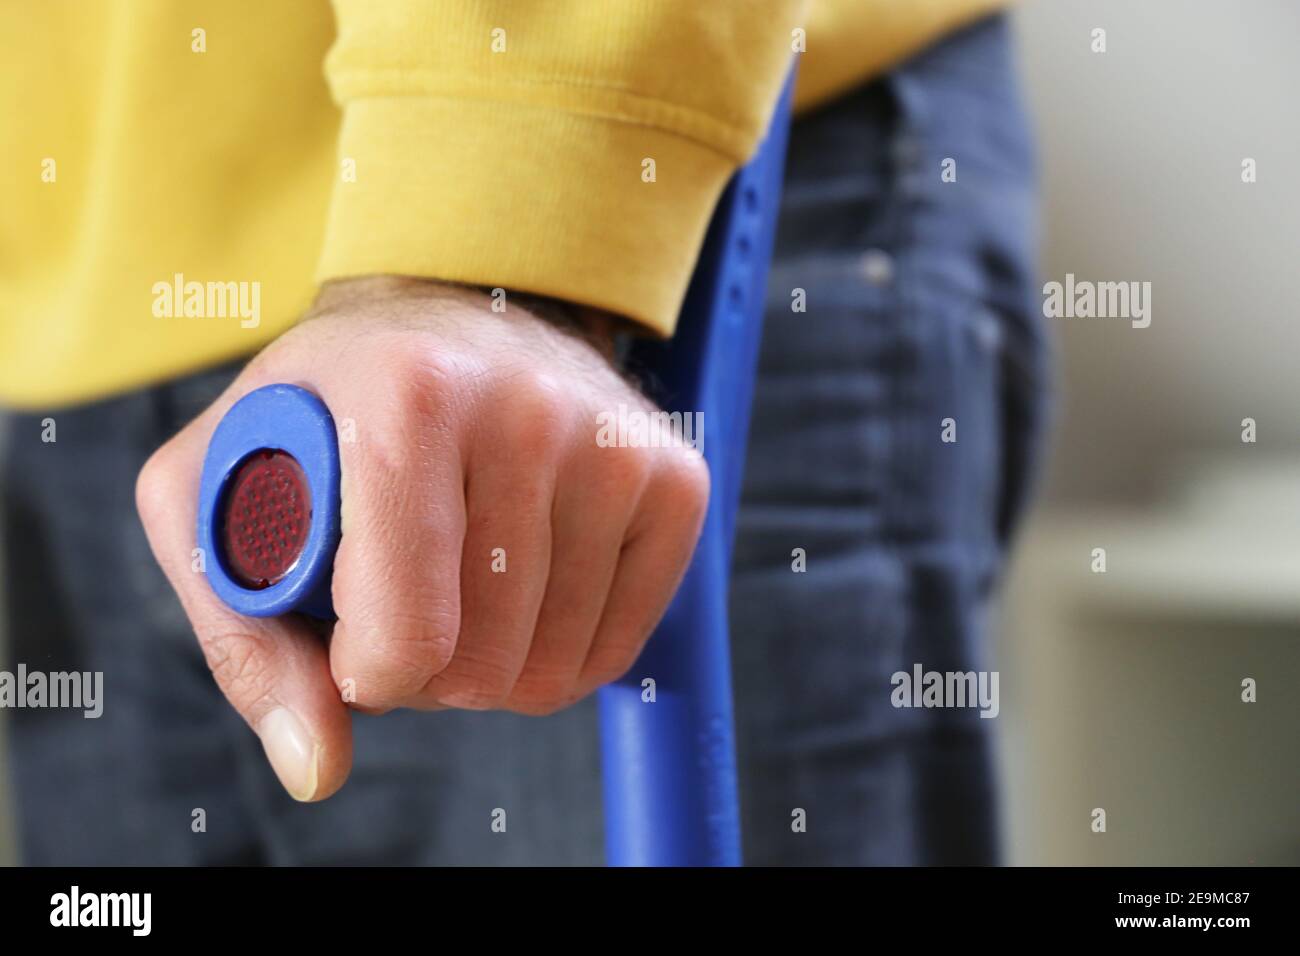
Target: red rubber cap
265,518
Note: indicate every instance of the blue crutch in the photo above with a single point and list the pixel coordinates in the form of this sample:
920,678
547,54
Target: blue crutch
669,770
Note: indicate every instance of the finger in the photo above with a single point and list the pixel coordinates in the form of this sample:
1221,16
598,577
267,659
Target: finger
396,583
275,673
506,563
654,559
593,509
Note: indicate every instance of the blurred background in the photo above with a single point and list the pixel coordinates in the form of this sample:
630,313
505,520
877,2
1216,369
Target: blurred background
1122,690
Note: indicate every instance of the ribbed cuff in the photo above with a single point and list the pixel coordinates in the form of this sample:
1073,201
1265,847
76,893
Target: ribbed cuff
522,197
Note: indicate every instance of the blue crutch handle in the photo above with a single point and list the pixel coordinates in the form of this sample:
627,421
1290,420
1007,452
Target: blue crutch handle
669,766
293,420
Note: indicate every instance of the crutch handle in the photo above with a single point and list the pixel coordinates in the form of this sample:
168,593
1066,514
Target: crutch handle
269,504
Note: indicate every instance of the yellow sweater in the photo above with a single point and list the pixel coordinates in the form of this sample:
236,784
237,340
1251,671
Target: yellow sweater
179,176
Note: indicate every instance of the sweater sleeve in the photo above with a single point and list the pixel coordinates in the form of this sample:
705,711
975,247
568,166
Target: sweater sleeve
568,148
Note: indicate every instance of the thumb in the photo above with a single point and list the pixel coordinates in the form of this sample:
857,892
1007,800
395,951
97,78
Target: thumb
275,672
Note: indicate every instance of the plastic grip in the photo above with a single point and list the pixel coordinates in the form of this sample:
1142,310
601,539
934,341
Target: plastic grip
275,418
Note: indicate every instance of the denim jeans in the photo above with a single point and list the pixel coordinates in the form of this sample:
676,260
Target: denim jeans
919,308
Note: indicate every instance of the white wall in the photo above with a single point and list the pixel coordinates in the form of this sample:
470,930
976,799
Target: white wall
1141,150
1122,690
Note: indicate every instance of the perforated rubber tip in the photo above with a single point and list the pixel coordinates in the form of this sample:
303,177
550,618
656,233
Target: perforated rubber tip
265,518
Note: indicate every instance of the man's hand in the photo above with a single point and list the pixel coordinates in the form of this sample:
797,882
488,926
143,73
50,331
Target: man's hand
474,431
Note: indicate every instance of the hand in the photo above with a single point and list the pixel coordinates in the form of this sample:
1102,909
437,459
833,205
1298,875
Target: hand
474,431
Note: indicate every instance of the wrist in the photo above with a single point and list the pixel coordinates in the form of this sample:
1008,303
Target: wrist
600,329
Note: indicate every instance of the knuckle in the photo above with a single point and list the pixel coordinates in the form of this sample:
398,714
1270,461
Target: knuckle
610,661
685,477
155,484
475,684
532,412
679,490
621,471
416,397
408,653
420,383
539,696
425,383
242,667
431,644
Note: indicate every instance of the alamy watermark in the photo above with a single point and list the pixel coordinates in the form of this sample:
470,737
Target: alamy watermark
75,908
922,688
208,300
1100,300
72,690
636,428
